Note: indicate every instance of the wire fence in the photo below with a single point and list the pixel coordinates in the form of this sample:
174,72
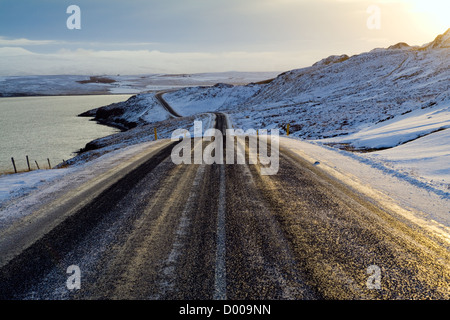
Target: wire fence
26,163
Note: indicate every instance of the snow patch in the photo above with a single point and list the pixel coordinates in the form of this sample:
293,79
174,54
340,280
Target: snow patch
399,130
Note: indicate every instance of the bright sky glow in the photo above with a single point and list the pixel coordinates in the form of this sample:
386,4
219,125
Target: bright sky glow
174,36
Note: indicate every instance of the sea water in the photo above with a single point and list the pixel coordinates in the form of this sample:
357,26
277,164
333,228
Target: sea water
48,128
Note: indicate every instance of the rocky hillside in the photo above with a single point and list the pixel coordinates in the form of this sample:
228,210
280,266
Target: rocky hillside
138,110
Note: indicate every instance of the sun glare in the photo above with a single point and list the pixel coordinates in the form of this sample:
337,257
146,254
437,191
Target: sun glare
435,12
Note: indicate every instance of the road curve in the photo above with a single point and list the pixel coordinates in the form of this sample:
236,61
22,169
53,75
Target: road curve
165,105
224,231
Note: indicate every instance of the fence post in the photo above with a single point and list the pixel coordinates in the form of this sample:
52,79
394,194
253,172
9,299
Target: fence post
28,163
14,165
49,165
287,129
156,135
37,165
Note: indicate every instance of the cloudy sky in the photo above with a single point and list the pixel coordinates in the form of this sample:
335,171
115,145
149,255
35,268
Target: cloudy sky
189,36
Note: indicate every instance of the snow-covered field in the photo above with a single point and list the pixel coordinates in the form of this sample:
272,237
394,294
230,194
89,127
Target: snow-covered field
415,144
400,129
426,159
393,102
120,84
16,185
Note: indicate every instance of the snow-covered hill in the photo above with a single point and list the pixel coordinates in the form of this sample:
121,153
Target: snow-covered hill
338,95
138,110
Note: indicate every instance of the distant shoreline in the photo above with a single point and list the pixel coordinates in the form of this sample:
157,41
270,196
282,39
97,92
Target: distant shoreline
78,85
24,95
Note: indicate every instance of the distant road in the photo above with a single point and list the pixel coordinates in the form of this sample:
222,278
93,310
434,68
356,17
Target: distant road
165,105
166,231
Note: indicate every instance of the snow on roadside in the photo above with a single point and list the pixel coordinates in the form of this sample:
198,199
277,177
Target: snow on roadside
401,129
15,185
426,159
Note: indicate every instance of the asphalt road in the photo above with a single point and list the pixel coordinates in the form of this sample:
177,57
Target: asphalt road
165,105
224,231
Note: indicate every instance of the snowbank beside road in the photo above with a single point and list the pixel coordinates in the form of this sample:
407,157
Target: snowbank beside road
426,159
16,185
416,144
399,130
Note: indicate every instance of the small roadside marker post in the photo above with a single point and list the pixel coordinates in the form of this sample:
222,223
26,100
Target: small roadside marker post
156,135
287,129
14,165
28,163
